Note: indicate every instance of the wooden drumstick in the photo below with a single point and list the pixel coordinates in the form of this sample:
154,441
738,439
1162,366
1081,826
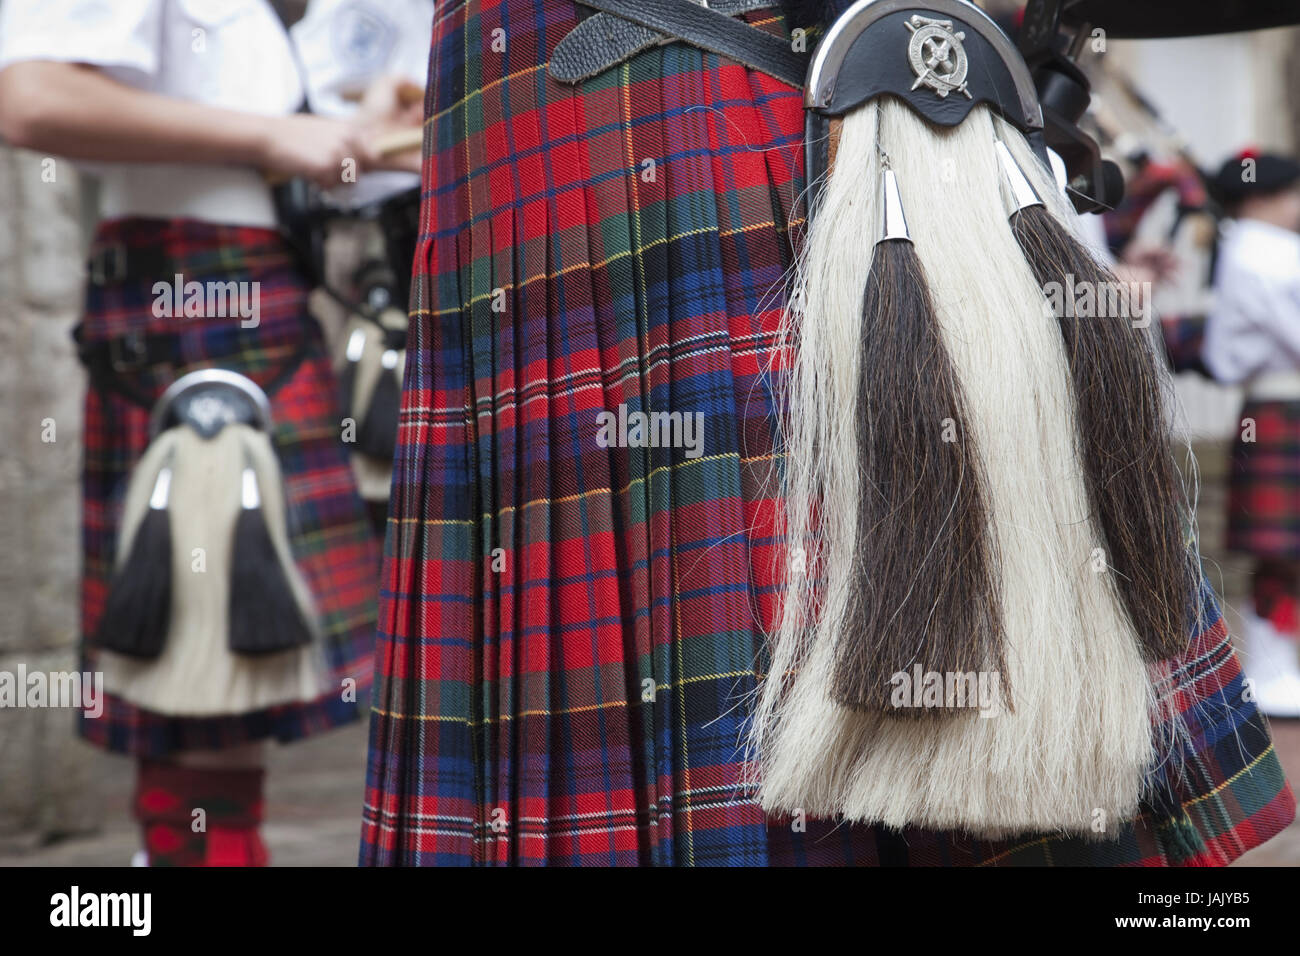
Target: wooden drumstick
390,144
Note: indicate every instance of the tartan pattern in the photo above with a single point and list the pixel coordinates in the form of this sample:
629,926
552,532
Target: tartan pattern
570,633
1264,482
329,533
1231,787
1142,189
1275,592
1184,337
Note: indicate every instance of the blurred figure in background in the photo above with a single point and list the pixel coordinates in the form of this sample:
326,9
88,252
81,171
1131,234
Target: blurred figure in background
364,56
1155,260
372,56
186,106
1253,338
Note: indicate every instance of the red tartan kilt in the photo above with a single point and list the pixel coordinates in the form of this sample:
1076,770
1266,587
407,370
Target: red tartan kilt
571,634
329,533
1264,482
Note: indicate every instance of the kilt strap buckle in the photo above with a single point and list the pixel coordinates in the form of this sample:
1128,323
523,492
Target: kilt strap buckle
114,262
128,353
108,264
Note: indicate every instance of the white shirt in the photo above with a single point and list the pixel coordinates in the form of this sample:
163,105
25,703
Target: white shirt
1090,229
233,54
344,46
1253,328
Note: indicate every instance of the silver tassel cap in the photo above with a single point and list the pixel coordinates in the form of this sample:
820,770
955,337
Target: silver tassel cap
1021,191
895,223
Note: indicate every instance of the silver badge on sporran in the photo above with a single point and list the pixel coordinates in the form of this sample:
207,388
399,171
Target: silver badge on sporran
937,56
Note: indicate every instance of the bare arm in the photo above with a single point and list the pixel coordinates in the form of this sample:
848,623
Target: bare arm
76,111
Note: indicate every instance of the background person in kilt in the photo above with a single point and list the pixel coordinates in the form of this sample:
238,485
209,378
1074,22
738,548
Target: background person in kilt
187,102
571,629
1253,338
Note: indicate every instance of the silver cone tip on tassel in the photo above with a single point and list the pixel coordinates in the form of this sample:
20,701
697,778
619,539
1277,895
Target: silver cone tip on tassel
161,489
249,497
1023,194
356,345
895,223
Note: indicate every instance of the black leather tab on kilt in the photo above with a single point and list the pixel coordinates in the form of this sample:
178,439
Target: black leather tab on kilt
112,364
603,41
114,263
713,31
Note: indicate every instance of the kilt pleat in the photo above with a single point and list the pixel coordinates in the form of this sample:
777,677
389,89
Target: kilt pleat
1264,481
329,533
571,632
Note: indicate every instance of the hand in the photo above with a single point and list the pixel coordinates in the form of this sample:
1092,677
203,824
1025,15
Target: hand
1157,260
314,147
392,104
1134,275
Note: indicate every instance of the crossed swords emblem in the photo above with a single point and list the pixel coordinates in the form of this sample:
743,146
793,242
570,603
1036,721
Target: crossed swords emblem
937,56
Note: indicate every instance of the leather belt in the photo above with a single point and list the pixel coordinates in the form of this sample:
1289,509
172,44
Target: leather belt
624,28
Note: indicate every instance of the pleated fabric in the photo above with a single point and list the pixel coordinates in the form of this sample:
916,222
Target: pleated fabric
572,618
1264,481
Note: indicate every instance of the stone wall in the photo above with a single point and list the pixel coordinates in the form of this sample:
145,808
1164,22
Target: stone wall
47,775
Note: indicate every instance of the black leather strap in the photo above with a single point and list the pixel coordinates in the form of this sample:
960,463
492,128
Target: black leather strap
117,364
596,44
113,364
114,263
602,41
715,32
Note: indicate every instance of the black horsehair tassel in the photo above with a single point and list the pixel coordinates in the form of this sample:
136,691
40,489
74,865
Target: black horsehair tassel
1132,483
265,616
924,588
137,615
377,436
